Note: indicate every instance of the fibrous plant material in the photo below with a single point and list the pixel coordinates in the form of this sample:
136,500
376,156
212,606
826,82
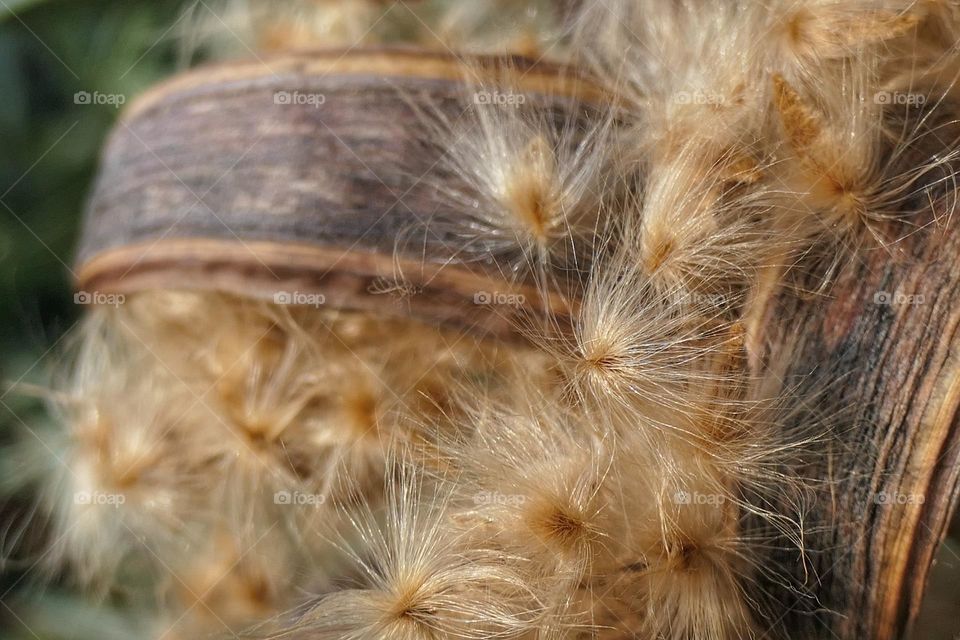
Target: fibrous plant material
625,455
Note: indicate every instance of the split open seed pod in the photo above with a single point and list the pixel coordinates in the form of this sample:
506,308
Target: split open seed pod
323,174
325,179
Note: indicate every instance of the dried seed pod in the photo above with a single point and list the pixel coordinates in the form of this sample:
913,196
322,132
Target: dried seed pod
317,180
270,215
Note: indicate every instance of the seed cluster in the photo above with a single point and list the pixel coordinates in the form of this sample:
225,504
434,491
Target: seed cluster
612,479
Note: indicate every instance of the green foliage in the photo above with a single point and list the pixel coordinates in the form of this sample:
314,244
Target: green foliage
51,54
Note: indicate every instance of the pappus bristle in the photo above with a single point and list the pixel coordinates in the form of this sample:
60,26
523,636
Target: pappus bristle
942,22
846,172
811,33
705,239
530,191
679,564
290,403
262,413
693,588
536,180
534,486
834,172
703,82
226,587
695,139
379,396
112,482
634,349
419,579
265,392
725,438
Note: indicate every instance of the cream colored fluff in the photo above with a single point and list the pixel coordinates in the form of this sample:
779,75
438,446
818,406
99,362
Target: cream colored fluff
593,484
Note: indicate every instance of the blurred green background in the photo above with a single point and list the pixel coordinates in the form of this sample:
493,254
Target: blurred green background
49,144
51,51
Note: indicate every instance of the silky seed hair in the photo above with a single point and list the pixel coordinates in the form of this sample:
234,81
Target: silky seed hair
231,435
540,179
624,476
116,474
420,578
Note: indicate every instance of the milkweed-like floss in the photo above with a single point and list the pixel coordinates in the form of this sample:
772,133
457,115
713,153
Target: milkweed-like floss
534,320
